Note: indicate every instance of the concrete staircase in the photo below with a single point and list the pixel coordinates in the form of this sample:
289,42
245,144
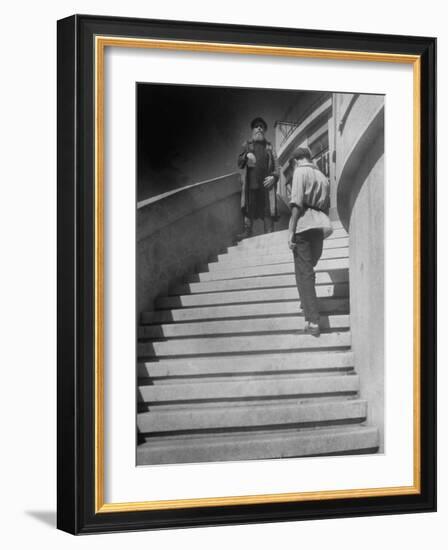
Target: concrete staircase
226,373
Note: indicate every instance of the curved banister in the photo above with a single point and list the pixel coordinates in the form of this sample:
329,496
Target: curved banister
169,207
369,146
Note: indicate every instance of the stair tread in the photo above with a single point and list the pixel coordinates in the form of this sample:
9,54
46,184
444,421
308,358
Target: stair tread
237,364
284,443
224,272
243,344
238,326
240,255
251,416
342,241
272,386
269,281
337,230
247,296
257,309
229,261
280,238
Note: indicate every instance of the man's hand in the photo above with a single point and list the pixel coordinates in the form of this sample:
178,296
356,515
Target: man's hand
291,242
251,160
268,182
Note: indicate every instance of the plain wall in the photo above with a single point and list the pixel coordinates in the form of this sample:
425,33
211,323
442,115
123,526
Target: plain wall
178,231
367,293
28,277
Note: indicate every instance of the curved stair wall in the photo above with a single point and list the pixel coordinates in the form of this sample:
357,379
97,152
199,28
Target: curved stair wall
360,202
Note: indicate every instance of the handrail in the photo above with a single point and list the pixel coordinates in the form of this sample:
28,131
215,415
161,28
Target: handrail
352,175
306,114
344,118
323,108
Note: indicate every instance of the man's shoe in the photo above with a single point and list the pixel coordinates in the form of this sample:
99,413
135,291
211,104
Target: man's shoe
268,226
312,328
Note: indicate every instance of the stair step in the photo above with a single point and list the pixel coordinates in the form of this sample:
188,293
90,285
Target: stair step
238,326
274,444
269,363
229,261
291,307
273,386
252,416
278,254
261,270
274,281
247,296
242,344
338,232
271,248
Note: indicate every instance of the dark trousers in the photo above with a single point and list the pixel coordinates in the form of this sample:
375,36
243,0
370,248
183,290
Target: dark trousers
307,252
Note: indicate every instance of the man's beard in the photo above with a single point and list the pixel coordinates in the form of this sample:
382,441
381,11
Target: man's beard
257,135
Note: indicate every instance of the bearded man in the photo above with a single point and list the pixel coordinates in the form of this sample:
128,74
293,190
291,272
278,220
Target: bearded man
258,194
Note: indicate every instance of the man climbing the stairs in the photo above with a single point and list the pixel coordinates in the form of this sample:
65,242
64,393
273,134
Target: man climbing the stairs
308,227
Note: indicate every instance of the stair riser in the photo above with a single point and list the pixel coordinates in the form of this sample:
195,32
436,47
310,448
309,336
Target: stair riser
262,270
272,248
249,389
282,256
254,417
206,405
223,378
274,445
266,363
248,296
322,278
338,232
281,324
291,307
243,344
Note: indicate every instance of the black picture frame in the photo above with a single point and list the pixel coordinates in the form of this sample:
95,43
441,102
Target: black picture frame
76,475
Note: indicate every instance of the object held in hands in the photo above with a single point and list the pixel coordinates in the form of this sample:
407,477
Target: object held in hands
251,160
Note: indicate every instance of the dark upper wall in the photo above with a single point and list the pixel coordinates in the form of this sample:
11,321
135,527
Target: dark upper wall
188,134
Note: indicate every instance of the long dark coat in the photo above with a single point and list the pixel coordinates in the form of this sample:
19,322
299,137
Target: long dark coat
272,170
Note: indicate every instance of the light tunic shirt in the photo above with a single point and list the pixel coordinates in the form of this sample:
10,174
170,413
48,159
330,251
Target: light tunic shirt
311,193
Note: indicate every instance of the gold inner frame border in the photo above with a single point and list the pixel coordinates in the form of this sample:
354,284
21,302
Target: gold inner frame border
101,42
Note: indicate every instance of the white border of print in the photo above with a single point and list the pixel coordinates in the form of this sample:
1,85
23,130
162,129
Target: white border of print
124,482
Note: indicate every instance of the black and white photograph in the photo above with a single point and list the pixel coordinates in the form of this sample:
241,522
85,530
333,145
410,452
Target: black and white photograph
259,274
